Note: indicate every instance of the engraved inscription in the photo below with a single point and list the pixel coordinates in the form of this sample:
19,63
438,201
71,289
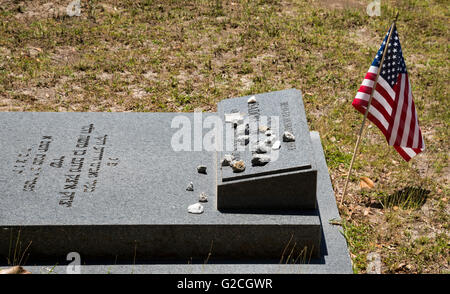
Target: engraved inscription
253,110
80,167
95,165
58,162
254,122
235,152
21,161
37,162
81,164
287,122
72,177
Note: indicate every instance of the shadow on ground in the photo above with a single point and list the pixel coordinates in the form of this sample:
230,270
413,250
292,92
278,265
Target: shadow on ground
407,198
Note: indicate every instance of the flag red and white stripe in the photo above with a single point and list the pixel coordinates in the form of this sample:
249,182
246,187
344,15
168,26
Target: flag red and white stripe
392,108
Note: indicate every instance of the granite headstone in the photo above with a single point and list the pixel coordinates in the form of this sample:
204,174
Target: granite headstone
112,187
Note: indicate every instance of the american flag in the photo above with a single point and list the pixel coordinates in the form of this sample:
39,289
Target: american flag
392,108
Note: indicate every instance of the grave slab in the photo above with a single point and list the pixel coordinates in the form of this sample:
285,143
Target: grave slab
110,185
334,256
288,181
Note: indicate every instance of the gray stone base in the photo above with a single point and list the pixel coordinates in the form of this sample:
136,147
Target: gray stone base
334,257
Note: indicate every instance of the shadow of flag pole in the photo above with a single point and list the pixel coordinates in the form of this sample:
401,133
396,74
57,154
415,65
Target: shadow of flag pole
367,112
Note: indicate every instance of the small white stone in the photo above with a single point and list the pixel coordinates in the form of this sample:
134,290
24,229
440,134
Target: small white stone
190,187
288,137
262,148
236,118
276,145
251,100
203,197
263,129
240,129
268,133
196,208
227,159
260,159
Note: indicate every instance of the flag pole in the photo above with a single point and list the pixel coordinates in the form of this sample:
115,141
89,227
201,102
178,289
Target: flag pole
358,140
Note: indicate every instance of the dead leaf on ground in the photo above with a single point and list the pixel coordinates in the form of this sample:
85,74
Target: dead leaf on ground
15,270
400,266
366,183
403,267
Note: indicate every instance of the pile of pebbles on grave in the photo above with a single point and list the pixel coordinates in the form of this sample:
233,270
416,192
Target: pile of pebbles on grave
261,156
197,208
